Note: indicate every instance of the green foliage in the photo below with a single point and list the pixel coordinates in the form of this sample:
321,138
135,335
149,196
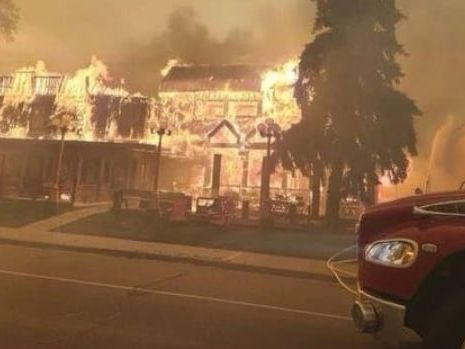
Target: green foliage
353,113
9,16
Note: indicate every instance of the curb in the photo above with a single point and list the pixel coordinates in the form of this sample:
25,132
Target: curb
198,260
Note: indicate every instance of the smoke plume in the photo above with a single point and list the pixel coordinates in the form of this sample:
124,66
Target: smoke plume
275,37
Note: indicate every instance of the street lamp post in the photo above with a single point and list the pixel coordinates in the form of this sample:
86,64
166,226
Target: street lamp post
63,131
161,131
269,130
63,122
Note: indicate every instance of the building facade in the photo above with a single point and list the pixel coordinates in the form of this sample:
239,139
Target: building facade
212,113
104,146
217,110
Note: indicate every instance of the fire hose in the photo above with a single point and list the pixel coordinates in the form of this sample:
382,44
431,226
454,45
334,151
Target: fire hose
334,265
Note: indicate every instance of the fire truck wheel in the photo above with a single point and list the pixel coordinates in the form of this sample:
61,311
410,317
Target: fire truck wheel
447,328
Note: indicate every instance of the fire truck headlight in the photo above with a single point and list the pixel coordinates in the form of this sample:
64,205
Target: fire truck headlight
392,253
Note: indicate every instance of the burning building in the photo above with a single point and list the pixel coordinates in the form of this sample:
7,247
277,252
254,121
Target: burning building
215,111
212,113
104,130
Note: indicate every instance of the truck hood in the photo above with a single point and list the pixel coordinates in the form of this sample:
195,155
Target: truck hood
379,219
418,200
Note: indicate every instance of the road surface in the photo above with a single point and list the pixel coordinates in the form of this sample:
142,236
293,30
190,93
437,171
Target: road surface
58,299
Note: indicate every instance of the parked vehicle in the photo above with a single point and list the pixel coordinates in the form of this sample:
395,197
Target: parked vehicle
412,270
219,210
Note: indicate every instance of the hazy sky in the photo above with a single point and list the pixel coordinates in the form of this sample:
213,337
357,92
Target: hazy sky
134,37
67,32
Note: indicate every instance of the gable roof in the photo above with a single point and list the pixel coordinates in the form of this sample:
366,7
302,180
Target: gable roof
225,124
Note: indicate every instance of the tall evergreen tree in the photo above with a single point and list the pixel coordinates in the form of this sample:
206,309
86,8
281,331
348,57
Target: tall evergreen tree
356,124
9,16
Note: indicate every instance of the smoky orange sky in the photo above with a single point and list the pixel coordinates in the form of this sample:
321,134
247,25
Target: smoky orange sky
136,37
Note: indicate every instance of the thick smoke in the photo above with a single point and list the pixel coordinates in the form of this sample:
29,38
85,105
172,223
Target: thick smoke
276,36
435,75
187,39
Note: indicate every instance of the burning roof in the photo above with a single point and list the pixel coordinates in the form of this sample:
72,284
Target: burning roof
205,78
204,105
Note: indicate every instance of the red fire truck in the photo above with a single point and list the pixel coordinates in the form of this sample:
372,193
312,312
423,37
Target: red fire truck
412,270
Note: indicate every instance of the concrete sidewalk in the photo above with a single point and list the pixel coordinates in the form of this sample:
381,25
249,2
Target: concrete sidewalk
151,250
68,217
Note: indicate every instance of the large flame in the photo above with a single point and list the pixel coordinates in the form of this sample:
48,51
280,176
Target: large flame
170,65
89,100
278,93
21,89
196,113
75,94
78,89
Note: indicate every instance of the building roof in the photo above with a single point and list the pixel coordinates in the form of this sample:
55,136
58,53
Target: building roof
212,77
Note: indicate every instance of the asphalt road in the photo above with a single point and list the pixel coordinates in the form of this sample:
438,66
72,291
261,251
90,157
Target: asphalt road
56,299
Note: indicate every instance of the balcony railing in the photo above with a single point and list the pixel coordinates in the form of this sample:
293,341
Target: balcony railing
5,84
46,85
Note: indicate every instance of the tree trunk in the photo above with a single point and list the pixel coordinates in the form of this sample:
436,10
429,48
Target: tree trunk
77,179
334,194
372,192
2,175
316,191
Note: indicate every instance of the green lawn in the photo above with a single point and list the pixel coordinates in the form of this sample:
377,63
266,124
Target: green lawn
140,226
17,213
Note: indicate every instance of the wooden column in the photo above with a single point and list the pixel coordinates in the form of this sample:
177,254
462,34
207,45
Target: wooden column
245,172
111,174
139,176
24,165
285,182
207,175
101,180
265,183
127,174
216,175
45,169
315,188
2,175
